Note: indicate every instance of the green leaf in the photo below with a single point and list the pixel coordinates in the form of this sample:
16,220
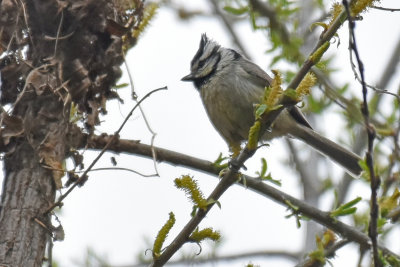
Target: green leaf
194,210
212,201
290,93
264,167
260,110
263,173
236,11
291,206
276,107
351,203
272,180
219,162
121,85
346,209
322,24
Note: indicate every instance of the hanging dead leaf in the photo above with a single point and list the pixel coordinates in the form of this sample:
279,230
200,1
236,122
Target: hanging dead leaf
48,155
57,170
39,79
12,126
116,29
93,115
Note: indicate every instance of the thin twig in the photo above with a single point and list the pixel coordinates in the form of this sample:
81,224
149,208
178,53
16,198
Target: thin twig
26,23
374,210
375,88
58,32
50,246
386,8
135,98
114,138
121,169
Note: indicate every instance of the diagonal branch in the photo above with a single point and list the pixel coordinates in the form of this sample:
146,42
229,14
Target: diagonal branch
258,186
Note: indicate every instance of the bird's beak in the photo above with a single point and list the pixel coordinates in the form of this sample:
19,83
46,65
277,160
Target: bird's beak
188,78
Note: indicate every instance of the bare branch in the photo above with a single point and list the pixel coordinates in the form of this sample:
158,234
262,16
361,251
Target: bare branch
163,155
258,186
146,121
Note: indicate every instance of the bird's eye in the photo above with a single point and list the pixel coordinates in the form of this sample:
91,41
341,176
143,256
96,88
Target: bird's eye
201,63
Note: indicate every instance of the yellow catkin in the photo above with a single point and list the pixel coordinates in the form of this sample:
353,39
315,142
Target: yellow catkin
305,85
148,15
162,235
235,149
335,11
190,187
207,233
254,134
359,6
275,91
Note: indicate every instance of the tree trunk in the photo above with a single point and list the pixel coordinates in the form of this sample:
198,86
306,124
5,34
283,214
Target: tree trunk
28,187
34,135
58,53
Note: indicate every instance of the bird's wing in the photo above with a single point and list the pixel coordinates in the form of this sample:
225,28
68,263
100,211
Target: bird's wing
260,77
256,74
298,116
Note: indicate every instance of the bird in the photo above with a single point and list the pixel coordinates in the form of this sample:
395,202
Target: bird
230,86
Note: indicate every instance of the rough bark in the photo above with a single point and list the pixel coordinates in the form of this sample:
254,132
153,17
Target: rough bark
28,187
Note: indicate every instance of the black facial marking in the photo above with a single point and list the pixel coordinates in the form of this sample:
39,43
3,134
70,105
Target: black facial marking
236,55
201,63
200,81
199,52
212,54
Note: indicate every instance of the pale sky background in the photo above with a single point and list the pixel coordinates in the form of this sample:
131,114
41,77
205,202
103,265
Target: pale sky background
116,211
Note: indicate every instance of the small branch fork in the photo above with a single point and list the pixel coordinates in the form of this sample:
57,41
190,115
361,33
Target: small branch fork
114,138
375,181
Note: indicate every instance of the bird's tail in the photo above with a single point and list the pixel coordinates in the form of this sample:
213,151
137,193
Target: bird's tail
339,154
